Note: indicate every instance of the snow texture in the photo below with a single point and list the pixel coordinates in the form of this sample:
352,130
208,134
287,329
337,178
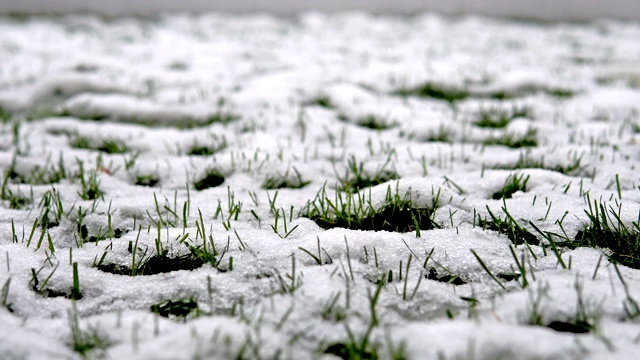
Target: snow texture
257,97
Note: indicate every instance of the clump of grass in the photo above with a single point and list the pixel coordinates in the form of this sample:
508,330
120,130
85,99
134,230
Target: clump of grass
181,309
212,178
507,226
353,211
436,91
216,146
357,178
5,115
371,121
90,186
497,118
147,180
109,146
525,161
515,141
512,184
156,264
321,101
442,134
85,341
286,180
606,230
445,278
15,200
141,264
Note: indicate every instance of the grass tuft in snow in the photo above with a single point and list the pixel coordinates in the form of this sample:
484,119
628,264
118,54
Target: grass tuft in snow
181,309
436,91
212,178
321,100
515,141
357,178
507,226
89,184
216,146
286,180
497,118
526,161
109,146
512,184
86,341
354,211
606,230
147,180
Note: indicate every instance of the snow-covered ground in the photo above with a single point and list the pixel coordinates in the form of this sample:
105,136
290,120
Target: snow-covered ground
113,131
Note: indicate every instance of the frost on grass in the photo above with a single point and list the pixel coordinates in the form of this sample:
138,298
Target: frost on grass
338,186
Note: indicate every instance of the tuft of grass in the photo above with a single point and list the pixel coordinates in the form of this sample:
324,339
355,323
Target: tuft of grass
507,226
147,180
356,178
445,278
212,178
362,346
436,91
181,309
353,211
606,230
87,341
5,115
515,141
286,180
109,146
525,161
321,100
512,184
497,118
216,146
90,186
371,121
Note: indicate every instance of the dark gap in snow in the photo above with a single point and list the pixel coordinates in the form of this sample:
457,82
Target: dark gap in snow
179,309
212,178
447,278
579,327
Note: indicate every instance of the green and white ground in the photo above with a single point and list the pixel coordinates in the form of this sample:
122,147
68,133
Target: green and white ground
347,186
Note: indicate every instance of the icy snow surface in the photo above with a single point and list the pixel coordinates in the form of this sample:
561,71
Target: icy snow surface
263,99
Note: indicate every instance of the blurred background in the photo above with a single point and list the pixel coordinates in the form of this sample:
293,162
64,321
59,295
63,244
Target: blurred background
563,10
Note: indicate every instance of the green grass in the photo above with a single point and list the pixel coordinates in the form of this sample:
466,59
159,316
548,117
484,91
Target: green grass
525,161
216,146
321,101
496,118
286,180
436,91
181,309
109,146
89,184
357,178
212,178
147,180
5,115
354,211
515,141
507,226
371,121
512,184
606,230
85,342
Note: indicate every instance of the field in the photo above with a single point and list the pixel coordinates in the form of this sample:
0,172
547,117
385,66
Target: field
321,186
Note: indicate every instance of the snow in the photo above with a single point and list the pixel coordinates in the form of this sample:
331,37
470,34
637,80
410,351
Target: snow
142,81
